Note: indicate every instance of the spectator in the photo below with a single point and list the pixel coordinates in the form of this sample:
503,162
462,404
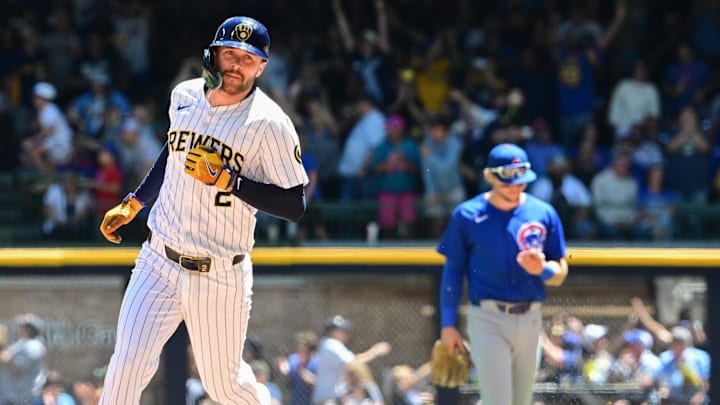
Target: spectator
22,364
599,358
321,133
688,158
633,100
67,209
646,148
85,390
614,193
444,188
368,55
261,370
53,392
562,352
301,368
570,197
367,133
87,111
396,164
684,80
107,184
589,157
333,356
313,218
137,153
404,385
579,59
685,371
656,208
359,386
541,148
51,147
636,363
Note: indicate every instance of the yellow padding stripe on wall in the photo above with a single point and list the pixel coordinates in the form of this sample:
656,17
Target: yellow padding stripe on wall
595,256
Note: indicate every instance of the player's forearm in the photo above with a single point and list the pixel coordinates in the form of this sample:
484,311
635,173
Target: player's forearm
150,186
559,269
288,204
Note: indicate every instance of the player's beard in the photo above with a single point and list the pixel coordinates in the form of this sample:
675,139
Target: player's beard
235,88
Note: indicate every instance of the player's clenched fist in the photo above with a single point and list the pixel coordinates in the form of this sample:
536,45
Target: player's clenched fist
120,215
532,260
204,163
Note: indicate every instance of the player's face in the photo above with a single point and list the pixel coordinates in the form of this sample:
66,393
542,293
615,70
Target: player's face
239,69
509,193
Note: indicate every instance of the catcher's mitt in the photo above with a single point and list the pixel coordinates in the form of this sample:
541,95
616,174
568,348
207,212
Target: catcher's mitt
446,369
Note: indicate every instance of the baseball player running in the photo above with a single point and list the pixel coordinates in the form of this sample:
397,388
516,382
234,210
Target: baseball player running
509,245
230,151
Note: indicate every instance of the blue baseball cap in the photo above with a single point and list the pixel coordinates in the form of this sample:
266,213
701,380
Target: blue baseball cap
638,336
510,164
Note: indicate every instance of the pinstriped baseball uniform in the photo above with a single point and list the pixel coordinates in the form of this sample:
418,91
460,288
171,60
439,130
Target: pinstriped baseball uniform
257,139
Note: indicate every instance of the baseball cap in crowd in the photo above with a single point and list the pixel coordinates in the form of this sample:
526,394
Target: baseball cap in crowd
510,164
337,322
682,334
45,90
592,332
32,321
638,336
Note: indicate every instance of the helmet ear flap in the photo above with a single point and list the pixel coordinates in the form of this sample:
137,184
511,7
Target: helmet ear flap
213,78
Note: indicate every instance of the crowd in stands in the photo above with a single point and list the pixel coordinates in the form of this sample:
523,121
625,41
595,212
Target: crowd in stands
396,102
639,362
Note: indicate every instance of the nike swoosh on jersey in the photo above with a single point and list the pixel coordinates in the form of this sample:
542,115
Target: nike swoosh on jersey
481,218
182,107
209,168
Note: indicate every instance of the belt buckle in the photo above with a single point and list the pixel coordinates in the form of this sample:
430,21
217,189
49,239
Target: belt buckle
202,264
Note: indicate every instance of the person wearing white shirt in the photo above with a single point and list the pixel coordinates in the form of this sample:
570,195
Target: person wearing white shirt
633,99
52,146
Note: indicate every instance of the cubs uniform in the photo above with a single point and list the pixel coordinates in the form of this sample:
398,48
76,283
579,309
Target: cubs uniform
481,244
196,265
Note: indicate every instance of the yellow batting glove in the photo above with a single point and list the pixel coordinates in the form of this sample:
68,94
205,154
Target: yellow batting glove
120,215
204,163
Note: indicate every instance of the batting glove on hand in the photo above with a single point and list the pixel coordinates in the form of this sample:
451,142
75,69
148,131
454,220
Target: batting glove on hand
120,215
204,163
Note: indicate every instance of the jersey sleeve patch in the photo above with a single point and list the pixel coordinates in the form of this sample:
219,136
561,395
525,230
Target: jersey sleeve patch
298,157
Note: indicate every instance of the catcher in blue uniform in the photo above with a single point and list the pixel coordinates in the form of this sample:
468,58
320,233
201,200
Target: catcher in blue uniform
508,245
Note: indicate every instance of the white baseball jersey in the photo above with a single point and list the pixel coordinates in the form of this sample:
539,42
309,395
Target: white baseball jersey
254,136
257,139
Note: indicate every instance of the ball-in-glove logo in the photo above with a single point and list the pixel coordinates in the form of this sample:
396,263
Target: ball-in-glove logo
242,32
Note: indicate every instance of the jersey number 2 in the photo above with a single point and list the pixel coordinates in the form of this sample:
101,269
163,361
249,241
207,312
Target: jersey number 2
223,199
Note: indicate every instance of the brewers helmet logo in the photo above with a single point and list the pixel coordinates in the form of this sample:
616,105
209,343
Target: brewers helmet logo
531,235
242,32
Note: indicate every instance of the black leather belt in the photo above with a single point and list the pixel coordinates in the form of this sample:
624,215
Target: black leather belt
513,308
200,264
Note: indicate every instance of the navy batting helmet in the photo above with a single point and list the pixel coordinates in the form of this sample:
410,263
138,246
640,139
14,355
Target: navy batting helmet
244,33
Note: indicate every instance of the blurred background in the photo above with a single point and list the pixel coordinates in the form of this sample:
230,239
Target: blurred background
397,103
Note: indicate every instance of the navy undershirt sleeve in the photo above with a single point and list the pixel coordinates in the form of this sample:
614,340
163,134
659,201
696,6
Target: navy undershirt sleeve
283,203
149,188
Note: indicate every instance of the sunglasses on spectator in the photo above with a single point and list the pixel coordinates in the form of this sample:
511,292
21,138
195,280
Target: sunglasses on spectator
510,172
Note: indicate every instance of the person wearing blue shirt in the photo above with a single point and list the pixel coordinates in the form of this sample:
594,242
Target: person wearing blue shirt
508,245
685,370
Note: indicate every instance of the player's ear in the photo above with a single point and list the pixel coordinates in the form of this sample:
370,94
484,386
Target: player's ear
261,68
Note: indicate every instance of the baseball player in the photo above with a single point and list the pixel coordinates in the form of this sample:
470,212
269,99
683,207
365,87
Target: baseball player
230,151
509,245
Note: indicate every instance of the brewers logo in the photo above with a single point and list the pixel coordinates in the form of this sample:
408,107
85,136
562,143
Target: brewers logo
531,235
298,157
242,32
